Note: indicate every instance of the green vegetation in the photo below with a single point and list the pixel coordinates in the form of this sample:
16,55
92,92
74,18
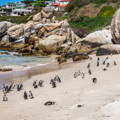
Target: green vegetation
80,3
7,10
14,19
102,19
99,2
107,11
91,24
62,18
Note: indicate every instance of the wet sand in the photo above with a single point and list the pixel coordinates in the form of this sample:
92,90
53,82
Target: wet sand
21,73
100,101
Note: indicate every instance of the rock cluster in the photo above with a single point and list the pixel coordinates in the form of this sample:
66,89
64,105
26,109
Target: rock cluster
44,35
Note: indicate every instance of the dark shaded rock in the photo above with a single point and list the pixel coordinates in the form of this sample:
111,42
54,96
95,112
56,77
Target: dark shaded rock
108,49
81,32
61,59
76,55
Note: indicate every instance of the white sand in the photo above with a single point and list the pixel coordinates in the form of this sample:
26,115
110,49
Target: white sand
100,101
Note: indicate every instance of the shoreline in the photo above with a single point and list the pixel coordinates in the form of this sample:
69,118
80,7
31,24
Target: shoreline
21,74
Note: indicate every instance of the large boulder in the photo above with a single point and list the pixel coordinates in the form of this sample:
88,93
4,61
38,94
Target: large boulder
51,43
9,24
5,39
16,31
65,23
115,27
29,29
5,42
39,16
46,28
97,38
35,41
108,49
4,26
48,9
71,36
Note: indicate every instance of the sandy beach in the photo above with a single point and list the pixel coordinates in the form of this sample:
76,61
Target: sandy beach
99,101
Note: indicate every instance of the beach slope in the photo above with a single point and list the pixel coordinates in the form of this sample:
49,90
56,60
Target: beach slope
75,98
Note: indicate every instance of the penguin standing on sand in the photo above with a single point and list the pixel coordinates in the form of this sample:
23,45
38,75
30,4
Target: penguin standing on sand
35,84
10,87
6,88
88,66
98,60
108,64
53,83
83,75
98,64
89,71
115,63
94,80
105,60
25,95
31,95
41,83
57,78
5,98
19,87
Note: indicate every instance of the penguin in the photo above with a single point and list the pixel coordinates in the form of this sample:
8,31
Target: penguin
25,95
108,64
94,80
5,98
57,78
115,63
97,63
88,66
41,83
31,95
89,71
53,83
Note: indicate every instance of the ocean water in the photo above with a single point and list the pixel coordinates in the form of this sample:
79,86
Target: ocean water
10,59
3,2
32,62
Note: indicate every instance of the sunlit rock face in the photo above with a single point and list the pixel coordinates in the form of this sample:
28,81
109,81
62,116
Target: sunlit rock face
115,27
